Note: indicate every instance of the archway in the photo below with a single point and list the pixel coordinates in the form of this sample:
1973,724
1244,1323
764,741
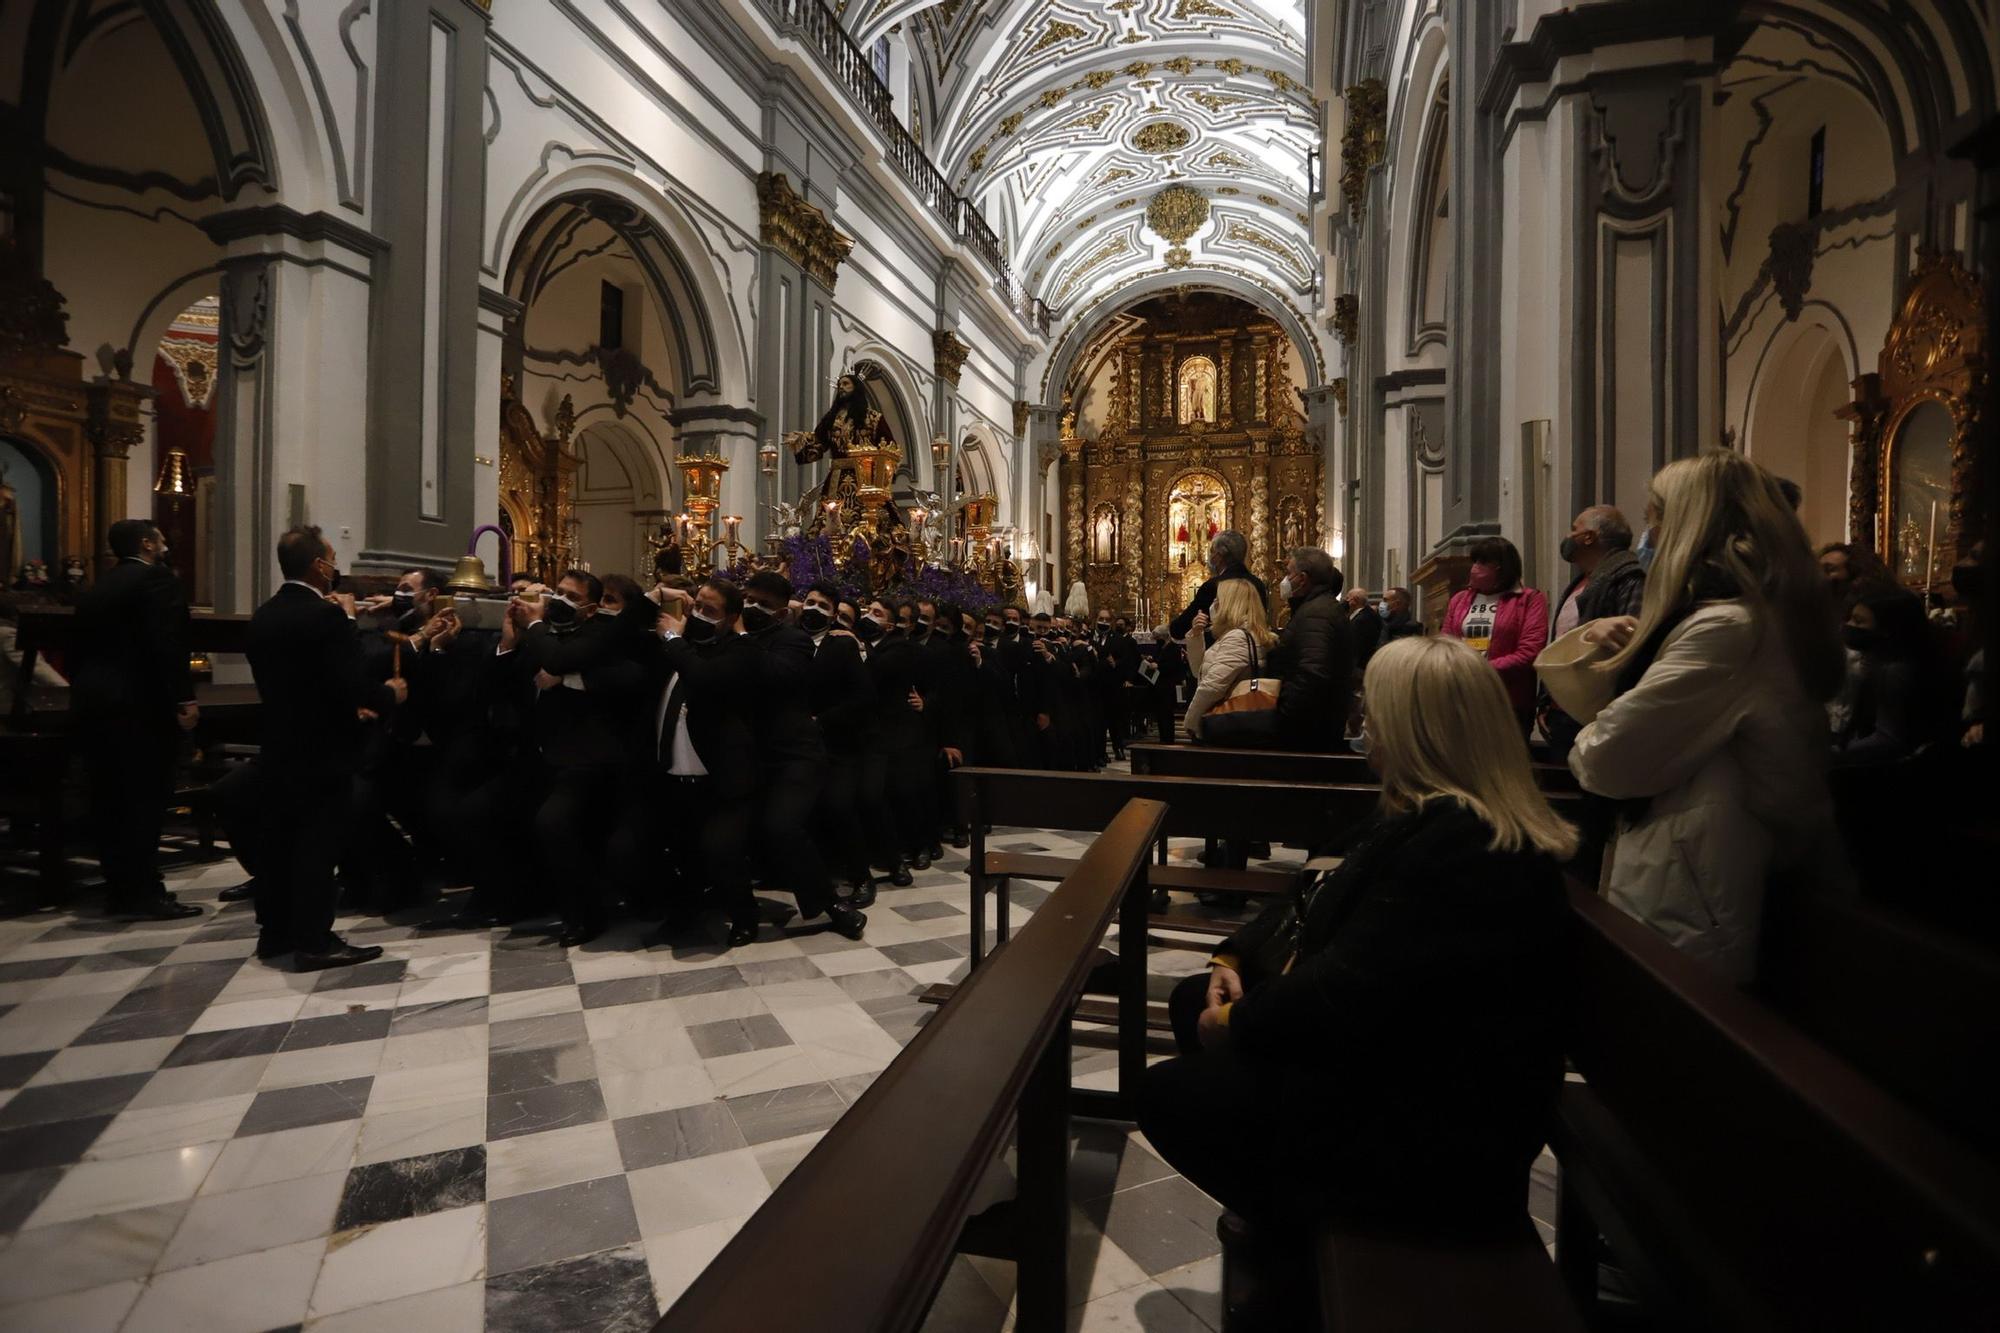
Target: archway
1793,427
610,328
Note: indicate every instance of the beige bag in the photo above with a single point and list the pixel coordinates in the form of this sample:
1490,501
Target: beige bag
1252,693
1576,674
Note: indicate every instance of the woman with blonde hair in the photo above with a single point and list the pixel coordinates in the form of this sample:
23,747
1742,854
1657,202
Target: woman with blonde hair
1394,1034
1715,741
1242,635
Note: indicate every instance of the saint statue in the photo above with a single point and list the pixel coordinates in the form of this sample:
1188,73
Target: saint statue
849,424
1197,390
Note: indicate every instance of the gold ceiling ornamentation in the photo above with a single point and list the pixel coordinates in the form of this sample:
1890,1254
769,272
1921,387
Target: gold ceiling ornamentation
1091,120
1097,78
1057,32
978,158
1125,203
1082,223
1051,98
1178,257
1112,174
1212,102
1339,387
1176,213
1231,66
1181,65
1227,189
1362,142
950,351
1112,248
1160,137
1268,200
1131,37
798,230
1187,9
1054,250
1222,157
1244,234
1138,69
1010,123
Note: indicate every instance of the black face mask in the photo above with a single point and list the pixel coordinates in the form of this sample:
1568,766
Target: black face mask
560,615
756,617
1568,550
1860,639
698,630
993,634
402,601
867,629
1013,629
813,620
1103,628
923,627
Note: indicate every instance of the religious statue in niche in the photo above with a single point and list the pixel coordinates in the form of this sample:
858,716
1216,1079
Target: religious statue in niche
1197,510
1291,524
1104,536
852,434
1196,398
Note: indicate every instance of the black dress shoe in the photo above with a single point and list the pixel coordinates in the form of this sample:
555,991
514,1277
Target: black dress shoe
846,921
238,893
1161,901
271,946
900,876
575,936
339,953
921,861
166,907
958,838
935,851
460,921
861,895
741,933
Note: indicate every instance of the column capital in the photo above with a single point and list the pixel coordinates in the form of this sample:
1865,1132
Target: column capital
799,230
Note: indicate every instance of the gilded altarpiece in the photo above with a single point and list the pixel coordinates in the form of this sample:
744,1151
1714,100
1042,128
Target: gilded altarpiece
1201,432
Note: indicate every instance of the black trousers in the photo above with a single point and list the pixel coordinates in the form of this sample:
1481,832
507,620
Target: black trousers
478,809
785,811
653,854
841,826
575,809
304,815
725,856
131,771
239,808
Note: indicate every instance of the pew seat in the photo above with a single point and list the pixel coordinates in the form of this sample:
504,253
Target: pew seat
1374,1284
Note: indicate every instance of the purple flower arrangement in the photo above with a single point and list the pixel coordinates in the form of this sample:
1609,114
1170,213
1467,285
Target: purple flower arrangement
812,560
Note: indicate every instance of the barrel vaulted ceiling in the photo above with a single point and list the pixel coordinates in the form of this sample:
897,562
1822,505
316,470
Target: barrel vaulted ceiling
1109,141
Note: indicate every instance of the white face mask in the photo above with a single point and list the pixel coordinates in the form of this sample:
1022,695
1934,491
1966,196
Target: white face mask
1285,587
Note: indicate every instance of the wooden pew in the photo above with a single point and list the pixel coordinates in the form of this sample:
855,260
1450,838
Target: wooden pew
1210,761
1376,1284
1745,1176
857,1238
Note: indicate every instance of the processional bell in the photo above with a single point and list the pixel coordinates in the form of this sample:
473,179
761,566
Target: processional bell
469,576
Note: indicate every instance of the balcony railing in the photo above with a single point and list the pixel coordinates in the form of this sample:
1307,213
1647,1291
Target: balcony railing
849,67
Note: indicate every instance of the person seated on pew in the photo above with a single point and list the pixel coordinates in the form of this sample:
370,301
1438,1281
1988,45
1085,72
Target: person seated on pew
1715,741
1384,1050
1241,637
1903,698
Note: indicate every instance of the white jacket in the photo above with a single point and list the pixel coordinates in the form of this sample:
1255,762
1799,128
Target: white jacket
1721,737
1218,666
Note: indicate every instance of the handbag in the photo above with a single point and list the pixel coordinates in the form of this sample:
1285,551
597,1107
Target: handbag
1253,693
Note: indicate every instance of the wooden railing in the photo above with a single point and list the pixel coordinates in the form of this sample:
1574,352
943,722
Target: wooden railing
818,27
858,1236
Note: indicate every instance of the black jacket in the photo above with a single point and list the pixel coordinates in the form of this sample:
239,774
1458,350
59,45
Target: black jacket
130,649
1616,588
305,656
898,664
719,678
782,679
1364,628
1204,598
1402,626
1315,660
604,723
1415,1045
843,697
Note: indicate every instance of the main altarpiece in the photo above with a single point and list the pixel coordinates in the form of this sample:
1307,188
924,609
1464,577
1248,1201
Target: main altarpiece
1200,431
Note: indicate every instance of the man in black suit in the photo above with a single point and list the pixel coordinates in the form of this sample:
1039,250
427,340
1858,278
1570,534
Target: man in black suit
306,657
1225,561
791,754
589,693
133,698
843,703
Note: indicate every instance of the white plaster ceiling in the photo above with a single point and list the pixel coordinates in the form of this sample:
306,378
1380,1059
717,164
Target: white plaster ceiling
1064,118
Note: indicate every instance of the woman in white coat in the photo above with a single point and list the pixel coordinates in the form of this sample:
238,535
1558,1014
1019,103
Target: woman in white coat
1716,741
1241,634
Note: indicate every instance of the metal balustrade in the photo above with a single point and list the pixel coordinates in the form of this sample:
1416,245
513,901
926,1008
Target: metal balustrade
849,67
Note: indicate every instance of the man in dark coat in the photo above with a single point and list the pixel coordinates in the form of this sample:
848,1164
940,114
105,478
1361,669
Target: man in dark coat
1609,581
133,698
1364,627
306,658
1313,659
1397,622
1225,562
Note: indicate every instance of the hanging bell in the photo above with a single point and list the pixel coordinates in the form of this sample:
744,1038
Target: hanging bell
469,576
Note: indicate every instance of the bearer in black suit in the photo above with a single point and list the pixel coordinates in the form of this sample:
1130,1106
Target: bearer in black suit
306,657
134,697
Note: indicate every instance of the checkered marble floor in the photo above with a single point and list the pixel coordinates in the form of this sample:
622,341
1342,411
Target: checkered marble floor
484,1130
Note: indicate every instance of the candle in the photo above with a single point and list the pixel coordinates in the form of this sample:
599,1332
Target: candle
1930,556
957,549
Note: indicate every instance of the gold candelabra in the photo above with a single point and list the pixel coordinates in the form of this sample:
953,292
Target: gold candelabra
701,475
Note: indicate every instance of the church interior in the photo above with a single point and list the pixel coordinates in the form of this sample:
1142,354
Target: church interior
965,360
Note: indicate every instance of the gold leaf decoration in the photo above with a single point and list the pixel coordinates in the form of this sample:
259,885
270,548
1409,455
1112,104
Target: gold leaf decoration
1051,98
1057,31
1162,136
1177,213
1125,203
1231,66
1227,189
1112,248
978,159
1214,102
1242,233
1188,9
1180,65
1112,174
1010,123
1097,78
1222,157
1268,200
1132,37
1138,69
1178,257
1090,120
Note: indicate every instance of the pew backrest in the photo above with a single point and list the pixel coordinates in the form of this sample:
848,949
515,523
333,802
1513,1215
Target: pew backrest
857,1237
1294,812
1212,761
1819,1199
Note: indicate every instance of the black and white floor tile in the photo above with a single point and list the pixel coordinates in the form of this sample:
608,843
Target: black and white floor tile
483,1131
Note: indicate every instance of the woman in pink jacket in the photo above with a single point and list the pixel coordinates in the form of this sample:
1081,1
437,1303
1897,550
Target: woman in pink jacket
1503,620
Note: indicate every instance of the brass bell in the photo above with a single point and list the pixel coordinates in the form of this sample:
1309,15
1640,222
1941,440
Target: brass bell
469,576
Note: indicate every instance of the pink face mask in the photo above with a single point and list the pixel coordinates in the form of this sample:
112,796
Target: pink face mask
1485,578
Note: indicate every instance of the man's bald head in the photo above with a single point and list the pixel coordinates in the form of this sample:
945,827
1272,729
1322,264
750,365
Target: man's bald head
1597,531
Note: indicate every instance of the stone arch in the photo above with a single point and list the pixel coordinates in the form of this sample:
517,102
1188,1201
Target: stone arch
894,394
713,356
1081,330
983,463
1790,424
